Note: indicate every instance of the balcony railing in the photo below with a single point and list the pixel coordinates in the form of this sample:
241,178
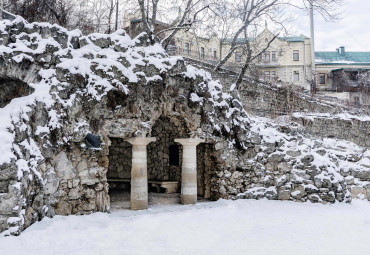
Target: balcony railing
268,63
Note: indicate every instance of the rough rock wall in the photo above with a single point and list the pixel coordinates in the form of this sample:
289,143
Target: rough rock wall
159,162
318,117
287,164
120,159
270,100
355,129
206,166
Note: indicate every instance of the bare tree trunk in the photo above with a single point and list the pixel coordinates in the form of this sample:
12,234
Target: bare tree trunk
110,16
1,8
116,26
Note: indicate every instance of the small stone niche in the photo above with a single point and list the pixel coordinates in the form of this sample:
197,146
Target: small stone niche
164,155
12,88
206,163
120,161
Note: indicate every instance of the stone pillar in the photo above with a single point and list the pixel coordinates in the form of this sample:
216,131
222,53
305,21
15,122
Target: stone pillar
189,170
139,173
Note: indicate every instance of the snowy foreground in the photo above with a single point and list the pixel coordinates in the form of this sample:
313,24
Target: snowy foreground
223,227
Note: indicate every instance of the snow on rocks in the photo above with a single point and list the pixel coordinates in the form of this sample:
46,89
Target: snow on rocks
115,87
60,67
104,84
299,166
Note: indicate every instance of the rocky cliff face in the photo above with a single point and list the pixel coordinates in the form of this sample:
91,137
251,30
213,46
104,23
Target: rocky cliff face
115,87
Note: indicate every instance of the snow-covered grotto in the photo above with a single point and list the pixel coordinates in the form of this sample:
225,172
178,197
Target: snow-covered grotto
80,115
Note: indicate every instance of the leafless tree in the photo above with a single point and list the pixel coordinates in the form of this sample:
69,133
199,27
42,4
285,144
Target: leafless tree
111,8
242,19
32,10
61,10
153,11
328,9
246,17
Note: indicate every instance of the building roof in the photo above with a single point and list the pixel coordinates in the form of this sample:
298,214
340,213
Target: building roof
299,38
238,40
347,58
351,69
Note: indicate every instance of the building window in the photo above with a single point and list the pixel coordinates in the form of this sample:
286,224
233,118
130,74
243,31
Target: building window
238,57
267,76
259,57
273,56
201,52
295,76
187,48
267,56
295,55
215,54
322,78
260,75
273,75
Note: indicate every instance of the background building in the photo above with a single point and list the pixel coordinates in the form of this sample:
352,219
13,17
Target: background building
287,60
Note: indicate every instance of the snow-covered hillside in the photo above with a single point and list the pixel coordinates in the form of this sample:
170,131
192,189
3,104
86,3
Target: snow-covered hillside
223,227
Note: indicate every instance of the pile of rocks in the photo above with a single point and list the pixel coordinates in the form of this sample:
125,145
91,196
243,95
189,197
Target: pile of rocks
287,164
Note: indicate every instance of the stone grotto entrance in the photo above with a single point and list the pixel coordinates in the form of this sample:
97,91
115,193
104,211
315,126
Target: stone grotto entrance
175,168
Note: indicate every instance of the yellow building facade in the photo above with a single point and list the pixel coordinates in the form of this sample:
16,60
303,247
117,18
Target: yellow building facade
286,60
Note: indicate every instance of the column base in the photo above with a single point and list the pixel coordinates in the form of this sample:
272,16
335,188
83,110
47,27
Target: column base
189,199
138,205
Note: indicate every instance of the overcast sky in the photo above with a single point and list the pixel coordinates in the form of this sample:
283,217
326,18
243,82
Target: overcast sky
351,31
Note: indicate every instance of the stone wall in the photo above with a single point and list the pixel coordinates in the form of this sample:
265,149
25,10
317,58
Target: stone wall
206,166
165,130
264,99
320,118
120,159
272,101
296,167
351,129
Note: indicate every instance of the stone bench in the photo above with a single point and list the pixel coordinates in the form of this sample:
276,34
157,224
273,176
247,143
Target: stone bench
170,186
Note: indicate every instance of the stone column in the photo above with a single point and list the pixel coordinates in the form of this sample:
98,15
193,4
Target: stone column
189,170
139,173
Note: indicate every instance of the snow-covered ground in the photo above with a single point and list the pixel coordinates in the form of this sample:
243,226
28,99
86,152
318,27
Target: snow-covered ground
223,227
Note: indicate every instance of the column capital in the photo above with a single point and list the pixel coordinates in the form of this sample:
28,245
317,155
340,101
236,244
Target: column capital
189,141
140,140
